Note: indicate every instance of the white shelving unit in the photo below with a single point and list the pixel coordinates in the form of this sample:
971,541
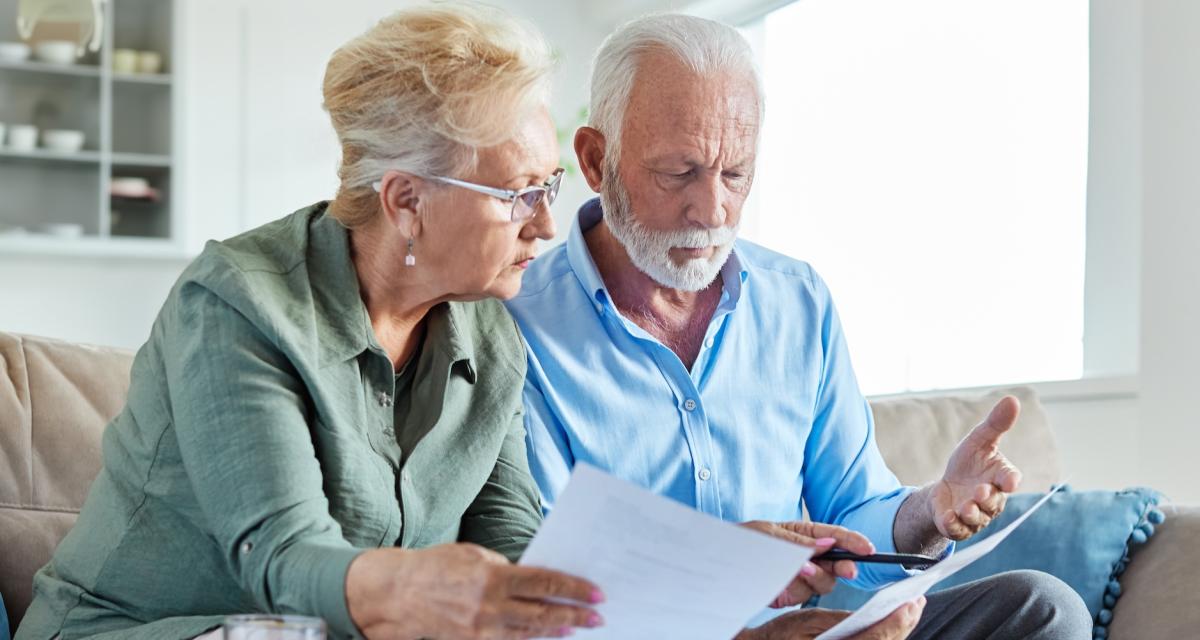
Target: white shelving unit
128,123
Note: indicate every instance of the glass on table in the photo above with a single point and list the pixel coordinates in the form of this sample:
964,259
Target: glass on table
273,627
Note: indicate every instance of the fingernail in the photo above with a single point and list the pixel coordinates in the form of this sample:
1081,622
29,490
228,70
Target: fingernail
595,620
809,570
921,601
597,596
825,542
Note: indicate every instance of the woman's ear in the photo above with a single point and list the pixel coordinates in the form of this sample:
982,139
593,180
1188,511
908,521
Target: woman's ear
589,149
399,196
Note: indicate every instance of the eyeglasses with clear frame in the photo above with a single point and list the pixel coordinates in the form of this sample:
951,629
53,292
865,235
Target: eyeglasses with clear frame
525,202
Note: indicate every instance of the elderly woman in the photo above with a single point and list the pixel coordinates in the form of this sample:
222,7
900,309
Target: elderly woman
326,419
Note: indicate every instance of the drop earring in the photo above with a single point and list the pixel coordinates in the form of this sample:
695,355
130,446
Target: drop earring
410,259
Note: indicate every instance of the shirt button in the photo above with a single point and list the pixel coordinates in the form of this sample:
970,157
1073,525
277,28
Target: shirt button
689,404
708,343
247,547
385,400
705,474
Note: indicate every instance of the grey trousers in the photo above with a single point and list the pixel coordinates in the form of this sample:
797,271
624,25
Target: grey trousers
1016,605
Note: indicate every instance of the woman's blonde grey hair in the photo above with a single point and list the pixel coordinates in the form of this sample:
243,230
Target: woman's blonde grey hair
424,89
704,46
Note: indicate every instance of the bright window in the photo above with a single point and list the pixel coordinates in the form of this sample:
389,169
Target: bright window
929,159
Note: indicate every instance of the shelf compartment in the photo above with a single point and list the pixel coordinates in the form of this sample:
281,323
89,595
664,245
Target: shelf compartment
141,116
37,194
143,25
137,217
52,102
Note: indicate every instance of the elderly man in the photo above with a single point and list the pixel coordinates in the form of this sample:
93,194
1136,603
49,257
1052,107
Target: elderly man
715,372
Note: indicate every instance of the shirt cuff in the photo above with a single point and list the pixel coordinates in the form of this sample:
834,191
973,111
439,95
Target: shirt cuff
322,570
876,520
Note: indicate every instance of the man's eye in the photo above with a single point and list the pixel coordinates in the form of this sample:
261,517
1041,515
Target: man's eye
680,176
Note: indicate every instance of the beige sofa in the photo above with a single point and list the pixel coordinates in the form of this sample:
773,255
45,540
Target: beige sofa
56,397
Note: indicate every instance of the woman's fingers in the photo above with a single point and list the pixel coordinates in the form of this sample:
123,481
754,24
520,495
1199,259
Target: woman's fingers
845,569
843,538
532,583
819,576
534,602
547,618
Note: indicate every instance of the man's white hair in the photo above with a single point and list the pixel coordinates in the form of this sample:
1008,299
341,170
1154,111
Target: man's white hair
704,46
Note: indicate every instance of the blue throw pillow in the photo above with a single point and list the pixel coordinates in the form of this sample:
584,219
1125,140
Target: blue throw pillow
1082,538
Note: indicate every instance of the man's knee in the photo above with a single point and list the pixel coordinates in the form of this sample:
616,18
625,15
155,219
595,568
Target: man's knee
1049,608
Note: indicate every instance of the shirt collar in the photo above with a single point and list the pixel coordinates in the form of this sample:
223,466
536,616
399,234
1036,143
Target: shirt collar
578,255
733,273
347,328
451,327
336,298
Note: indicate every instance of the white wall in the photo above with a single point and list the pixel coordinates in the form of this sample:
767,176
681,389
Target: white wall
1170,280
1144,205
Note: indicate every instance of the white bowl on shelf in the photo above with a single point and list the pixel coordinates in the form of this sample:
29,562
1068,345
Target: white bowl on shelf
22,137
56,51
62,230
63,140
14,52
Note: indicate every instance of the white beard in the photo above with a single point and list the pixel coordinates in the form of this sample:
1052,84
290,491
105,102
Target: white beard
649,250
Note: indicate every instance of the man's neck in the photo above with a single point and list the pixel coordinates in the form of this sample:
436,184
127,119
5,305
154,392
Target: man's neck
679,319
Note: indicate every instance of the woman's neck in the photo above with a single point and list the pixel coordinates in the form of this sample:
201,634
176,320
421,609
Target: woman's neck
397,302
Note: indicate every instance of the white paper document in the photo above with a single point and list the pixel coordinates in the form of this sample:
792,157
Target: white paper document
889,599
666,570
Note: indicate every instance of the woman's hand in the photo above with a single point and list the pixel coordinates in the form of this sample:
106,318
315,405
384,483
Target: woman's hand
807,624
818,577
463,591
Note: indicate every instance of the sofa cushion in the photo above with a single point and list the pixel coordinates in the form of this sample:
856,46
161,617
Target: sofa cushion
917,434
1159,601
55,400
1083,538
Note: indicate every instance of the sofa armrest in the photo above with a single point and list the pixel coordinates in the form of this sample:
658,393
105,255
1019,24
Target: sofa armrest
1159,589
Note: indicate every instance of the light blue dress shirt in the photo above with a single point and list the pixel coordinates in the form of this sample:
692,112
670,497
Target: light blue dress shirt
769,418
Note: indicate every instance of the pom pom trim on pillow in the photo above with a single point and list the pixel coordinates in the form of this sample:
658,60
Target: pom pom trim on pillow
1141,534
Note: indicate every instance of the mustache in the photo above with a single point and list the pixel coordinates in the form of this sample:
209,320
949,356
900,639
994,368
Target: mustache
698,238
